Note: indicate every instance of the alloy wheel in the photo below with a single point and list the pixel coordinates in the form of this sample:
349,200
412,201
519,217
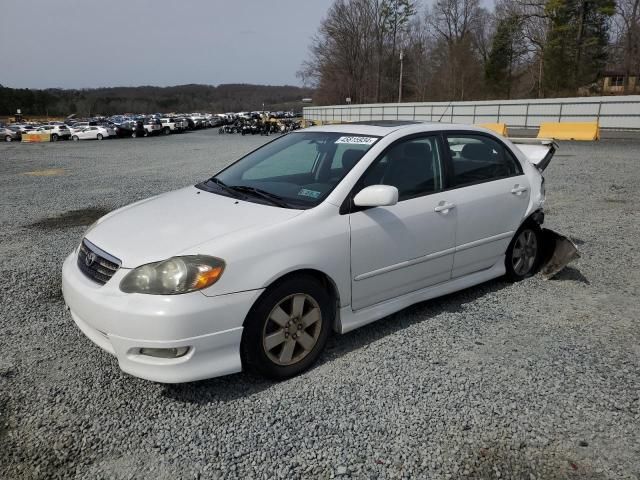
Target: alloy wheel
525,252
292,329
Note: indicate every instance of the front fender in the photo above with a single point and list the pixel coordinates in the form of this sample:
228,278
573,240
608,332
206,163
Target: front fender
317,240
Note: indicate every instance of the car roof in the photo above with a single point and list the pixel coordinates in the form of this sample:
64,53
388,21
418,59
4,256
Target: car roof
381,128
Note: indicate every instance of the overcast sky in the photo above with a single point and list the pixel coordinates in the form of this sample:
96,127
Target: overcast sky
95,43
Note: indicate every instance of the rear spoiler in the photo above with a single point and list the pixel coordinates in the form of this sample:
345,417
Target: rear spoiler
539,151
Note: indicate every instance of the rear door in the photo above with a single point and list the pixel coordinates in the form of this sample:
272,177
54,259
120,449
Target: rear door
408,246
491,194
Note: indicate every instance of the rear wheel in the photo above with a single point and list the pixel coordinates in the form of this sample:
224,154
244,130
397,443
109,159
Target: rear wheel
287,329
524,253
8,138
54,137
166,130
99,136
75,138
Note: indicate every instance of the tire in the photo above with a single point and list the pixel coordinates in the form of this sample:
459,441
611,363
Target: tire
99,136
54,137
75,138
271,344
166,130
524,253
8,138
134,134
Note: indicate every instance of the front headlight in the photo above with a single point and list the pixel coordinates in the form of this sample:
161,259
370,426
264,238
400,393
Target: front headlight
174,276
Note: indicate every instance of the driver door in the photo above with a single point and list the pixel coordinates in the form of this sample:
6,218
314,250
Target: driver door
408,246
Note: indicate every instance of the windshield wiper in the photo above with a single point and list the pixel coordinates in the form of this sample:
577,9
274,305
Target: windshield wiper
270,197
224,186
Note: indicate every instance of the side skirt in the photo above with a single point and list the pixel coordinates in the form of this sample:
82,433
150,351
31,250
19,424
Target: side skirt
350,320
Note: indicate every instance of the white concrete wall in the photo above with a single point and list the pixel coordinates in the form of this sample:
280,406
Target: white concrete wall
615,112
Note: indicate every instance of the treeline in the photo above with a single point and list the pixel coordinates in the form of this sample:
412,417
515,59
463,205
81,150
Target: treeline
183,98
458,50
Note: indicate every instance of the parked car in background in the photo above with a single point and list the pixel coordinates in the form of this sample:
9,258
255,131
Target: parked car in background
111,128
216,121
130,129
137,128
170,124
183,123
9,135
57,132
93,133
78,126
22,128
152,126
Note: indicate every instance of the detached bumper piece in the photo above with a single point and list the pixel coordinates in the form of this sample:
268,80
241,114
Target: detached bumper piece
558,252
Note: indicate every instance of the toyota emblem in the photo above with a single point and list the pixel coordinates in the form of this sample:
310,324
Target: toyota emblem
90,259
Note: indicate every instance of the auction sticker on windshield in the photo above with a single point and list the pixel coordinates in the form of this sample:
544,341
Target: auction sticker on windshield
357,140
309,193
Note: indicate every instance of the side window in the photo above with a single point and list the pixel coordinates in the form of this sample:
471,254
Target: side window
476,158
412,166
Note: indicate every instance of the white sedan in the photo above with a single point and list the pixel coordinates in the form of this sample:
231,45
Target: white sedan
321,231
93,133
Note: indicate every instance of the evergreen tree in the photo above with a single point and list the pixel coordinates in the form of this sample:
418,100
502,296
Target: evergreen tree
501,62
576,47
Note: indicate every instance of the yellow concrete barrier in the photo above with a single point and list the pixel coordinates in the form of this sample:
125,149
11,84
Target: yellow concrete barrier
499,128
36,137
570,130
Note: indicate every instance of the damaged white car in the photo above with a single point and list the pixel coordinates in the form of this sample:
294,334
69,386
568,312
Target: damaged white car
322,230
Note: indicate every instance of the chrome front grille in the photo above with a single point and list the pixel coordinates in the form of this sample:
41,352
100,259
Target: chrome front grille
96,264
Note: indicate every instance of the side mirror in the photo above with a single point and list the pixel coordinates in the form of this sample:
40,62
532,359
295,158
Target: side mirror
376,196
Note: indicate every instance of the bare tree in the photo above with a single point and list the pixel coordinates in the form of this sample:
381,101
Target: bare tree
453,23
627,18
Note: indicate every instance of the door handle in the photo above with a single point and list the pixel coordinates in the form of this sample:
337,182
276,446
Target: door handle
444,207
517,190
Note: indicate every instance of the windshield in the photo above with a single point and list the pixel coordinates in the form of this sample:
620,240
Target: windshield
298,170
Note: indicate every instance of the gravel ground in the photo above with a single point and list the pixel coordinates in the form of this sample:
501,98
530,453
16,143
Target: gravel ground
539,379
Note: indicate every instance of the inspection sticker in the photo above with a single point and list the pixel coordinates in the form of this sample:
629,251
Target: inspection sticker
309,193
357,140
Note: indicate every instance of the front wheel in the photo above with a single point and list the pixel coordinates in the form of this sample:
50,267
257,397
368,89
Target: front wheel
524,253
54,137
288,327
75,138
8,138
99,136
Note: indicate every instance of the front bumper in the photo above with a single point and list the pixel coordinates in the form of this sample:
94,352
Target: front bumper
122,324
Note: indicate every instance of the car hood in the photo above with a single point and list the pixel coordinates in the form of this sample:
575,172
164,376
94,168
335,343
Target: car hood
169,224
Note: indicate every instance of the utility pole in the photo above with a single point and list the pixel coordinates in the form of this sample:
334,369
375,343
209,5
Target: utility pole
400,82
